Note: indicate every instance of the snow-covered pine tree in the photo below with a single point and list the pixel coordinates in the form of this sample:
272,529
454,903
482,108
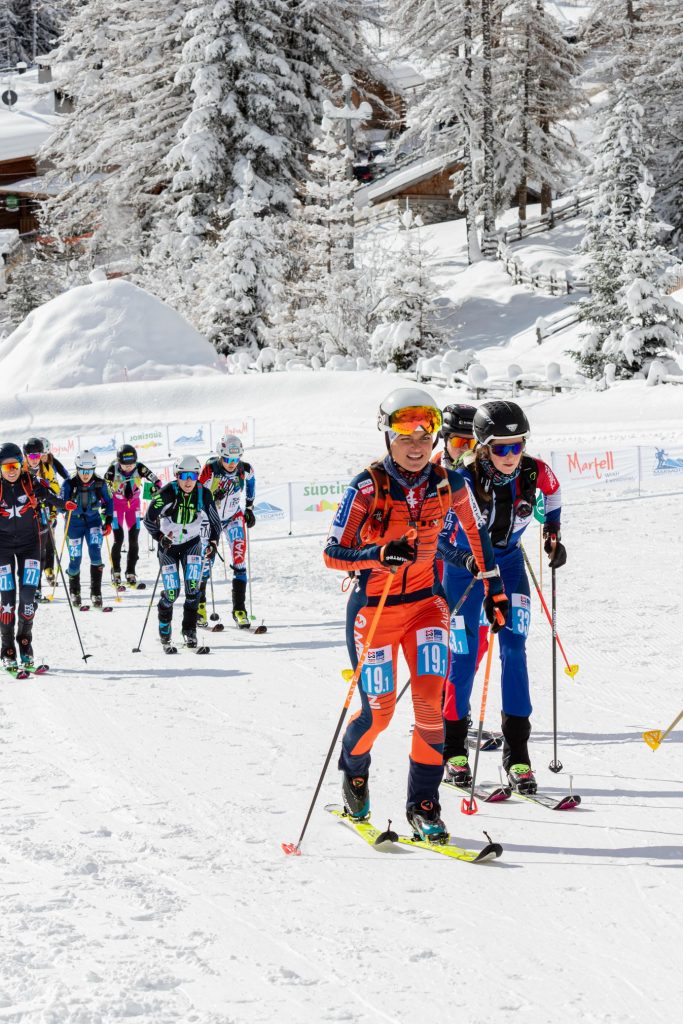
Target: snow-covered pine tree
39,24
11,45
540,94
619,168
329,319
445,119
660,90
244,271
408,322
653,322
117,59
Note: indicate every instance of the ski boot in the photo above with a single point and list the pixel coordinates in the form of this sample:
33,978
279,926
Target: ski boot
458,771
190,637
165,637
96,572
522,779
9,655
131,580
202,618
75,589
116,580
26,652
38,596
51,577
239,611
425,820
356,796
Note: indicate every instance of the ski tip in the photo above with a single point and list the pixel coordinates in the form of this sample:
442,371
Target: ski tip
291,849
490,852
568,803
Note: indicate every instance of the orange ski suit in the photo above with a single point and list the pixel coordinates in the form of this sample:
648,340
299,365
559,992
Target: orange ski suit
377,507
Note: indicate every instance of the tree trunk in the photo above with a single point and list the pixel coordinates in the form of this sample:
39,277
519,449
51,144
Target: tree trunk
489,240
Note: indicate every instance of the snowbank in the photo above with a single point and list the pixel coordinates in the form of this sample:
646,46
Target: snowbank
102,333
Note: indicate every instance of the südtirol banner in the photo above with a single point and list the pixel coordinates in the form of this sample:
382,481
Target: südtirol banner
314,499
150,443
604,469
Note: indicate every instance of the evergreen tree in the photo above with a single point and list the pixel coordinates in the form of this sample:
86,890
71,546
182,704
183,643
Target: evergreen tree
11,46
39,23
407,314
541,91
653,321
244,270
328,317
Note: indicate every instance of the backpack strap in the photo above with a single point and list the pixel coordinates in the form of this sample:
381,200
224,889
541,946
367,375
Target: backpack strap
382,502
527,481
443,488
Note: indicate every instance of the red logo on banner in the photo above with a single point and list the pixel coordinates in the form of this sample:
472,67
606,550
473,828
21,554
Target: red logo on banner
595,467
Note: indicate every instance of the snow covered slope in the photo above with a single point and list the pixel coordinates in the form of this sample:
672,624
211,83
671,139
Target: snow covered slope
102,332
143,799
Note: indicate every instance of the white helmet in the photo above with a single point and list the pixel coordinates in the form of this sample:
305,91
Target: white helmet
86,462
230,447
418,407
46,445
187,464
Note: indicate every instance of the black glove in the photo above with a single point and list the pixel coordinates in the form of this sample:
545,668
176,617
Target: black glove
165,542
470,564
554,547
210,549
496,603
397,553
249,517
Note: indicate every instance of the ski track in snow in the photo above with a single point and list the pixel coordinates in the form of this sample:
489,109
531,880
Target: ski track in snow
144,800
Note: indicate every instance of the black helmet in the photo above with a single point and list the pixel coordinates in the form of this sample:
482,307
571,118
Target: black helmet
34,446
497,421
127,453
10,452
457,419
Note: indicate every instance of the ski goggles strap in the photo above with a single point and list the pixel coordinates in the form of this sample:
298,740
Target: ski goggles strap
415,417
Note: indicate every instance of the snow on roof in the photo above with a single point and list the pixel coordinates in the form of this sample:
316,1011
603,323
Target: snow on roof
100,333
410,174
403,76
44,185
29,123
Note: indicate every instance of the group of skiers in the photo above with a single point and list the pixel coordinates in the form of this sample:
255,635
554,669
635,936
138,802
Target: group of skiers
422,535
186,517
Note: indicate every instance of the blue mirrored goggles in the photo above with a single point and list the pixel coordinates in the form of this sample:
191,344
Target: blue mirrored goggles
187,474
508,449
231,457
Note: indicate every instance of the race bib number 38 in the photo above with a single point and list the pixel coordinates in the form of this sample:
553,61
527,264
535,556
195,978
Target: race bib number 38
377,675
432,651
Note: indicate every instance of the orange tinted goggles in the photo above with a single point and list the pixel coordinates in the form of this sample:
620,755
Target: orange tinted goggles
11,465
462,442
415,417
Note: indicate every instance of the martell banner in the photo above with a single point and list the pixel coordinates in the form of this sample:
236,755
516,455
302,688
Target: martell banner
602,469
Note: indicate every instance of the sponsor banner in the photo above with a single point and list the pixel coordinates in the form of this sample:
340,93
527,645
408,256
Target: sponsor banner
149,442
600,469
65,449
189,438
243,427
272,504
313,500
102,445
661,467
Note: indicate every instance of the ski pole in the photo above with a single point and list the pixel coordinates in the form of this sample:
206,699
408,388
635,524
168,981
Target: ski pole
454,612
555,765
656,736
51,596
251,603
214,615
469,806
295,848
570,670
68,595
136,650
225,565
117,596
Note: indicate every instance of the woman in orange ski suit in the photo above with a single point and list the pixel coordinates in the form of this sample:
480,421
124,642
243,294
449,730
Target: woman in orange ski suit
402,493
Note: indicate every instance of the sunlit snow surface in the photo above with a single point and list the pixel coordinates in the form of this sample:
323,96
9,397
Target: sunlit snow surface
143,799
